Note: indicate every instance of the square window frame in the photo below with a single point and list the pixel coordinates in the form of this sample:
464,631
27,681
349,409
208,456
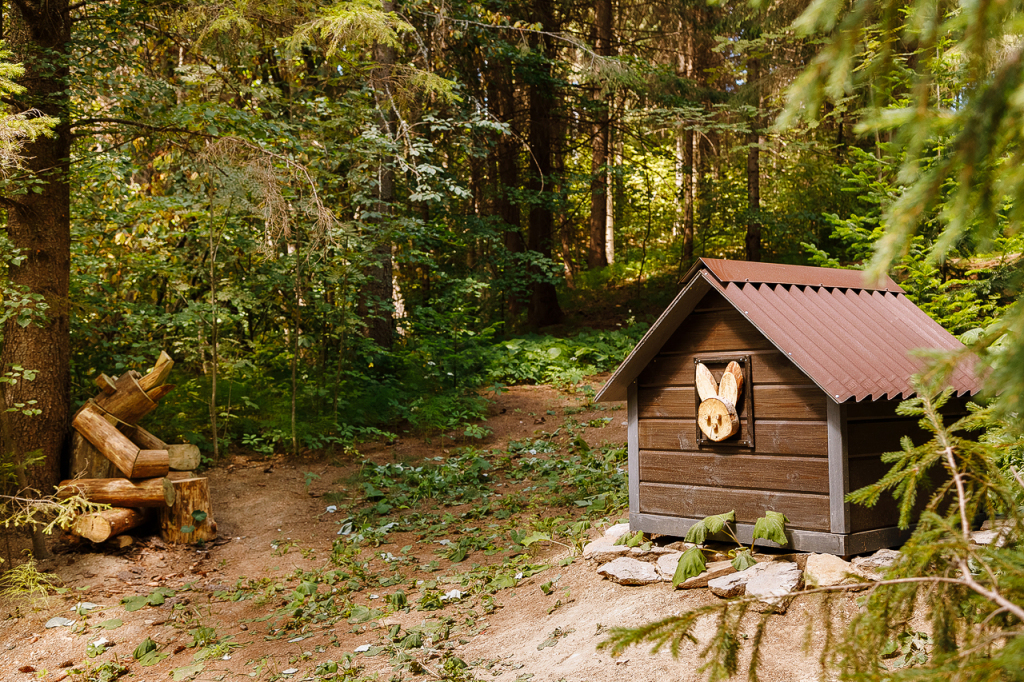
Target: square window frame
744,361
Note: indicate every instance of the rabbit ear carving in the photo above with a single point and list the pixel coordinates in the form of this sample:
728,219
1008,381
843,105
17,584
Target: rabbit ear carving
707,387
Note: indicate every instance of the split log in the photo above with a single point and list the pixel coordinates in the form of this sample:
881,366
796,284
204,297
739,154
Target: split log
106,384
707,387
103,525
155,394
179,524
158,375
717,419
143,438
87,461
131,460
120,492
183,457
129,403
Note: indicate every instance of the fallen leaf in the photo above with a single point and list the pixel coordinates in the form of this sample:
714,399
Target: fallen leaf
26,669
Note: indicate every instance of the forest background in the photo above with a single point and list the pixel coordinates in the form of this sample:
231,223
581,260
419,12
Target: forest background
345,220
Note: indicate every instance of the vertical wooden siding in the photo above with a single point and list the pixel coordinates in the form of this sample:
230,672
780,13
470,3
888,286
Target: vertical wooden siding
788,469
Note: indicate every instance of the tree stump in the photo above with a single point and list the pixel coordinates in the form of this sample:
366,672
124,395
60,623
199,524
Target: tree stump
191,518
103,525
120,492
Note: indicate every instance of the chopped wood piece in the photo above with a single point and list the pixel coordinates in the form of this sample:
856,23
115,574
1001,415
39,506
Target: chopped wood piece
143,438
115,446
129,403
120,492
158,375
150,463
159,392
717,419
103,525
184,457
178,524
727,390
707,387
105,383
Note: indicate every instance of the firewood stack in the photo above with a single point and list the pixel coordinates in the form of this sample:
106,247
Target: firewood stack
117,462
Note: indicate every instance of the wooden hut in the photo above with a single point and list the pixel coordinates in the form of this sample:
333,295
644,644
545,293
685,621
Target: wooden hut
821,360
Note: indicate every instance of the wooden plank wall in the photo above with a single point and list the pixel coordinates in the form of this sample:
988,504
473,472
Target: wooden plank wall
874,428
788,470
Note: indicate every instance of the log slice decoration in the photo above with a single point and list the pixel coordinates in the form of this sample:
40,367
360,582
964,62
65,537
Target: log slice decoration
717,416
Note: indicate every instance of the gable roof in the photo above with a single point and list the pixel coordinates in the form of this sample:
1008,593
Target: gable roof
850,337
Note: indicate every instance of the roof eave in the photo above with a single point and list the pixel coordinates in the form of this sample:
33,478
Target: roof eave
699,283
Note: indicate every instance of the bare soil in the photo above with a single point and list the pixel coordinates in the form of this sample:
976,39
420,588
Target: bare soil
275,528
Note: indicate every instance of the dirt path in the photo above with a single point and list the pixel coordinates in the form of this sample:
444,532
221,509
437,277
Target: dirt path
281,595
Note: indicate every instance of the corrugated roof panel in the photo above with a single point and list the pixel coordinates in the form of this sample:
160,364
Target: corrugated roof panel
852,340
773,273
774,318
862,343
853,344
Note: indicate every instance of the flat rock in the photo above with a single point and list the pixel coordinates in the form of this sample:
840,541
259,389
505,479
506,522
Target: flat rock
874,565
628,571
992,524
715,570
666,565
603,550
826,570
735,584
994,536
774,585
617,531
648,554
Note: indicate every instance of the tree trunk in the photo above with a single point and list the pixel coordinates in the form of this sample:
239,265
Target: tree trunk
378,293
689,193
543,309
754,140
609,218
597,256
508,175
38,224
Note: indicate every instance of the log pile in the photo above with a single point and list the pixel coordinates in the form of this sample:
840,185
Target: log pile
117,462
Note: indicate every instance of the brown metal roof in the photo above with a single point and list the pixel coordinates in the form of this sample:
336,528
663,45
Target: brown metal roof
853,341
803,275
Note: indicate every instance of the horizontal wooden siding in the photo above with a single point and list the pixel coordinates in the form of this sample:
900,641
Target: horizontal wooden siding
787,471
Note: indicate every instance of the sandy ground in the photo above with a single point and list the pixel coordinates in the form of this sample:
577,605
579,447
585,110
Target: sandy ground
272,525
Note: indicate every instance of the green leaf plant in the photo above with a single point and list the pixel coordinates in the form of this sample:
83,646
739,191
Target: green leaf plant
771,527
972,594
